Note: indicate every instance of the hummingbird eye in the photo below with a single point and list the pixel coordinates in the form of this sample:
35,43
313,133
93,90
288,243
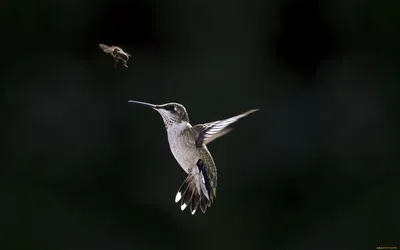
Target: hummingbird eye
170,107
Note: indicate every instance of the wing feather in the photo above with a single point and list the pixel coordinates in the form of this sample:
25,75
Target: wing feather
208,132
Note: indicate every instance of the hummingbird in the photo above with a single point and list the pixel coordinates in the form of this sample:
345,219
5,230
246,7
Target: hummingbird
188,145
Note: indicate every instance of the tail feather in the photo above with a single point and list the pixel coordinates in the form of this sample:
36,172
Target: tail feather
195,203
187,196
190,195
203,204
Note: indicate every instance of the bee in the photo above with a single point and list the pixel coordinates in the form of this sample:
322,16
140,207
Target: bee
117,53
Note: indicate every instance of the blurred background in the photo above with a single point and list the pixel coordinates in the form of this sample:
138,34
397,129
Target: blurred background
315,168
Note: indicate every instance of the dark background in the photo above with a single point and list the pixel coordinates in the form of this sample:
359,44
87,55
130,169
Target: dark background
315,168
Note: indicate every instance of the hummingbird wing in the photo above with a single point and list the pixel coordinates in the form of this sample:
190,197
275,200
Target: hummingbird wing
208,132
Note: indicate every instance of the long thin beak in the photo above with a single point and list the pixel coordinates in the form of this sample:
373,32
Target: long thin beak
145,104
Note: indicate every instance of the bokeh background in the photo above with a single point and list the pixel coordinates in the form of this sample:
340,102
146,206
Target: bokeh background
315,168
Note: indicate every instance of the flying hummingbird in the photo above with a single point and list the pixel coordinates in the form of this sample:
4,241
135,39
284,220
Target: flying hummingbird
188,145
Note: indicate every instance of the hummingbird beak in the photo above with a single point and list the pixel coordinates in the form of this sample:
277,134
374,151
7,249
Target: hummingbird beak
145,104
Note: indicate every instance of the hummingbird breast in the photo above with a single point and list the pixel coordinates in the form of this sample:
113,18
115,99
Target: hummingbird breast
183,146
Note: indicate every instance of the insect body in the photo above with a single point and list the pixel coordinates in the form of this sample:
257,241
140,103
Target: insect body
117,53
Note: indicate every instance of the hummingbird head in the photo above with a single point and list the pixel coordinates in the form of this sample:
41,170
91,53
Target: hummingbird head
171,113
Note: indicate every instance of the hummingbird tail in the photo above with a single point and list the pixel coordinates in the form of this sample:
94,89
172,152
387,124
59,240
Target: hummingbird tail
192,196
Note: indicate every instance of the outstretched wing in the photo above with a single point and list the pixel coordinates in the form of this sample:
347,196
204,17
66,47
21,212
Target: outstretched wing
205,133
106,48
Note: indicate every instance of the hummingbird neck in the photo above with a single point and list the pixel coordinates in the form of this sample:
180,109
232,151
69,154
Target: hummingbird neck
173,121
178,127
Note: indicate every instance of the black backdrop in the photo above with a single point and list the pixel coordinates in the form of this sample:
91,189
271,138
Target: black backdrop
313,169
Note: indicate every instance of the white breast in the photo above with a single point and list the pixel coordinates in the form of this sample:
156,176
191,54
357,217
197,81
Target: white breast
183,151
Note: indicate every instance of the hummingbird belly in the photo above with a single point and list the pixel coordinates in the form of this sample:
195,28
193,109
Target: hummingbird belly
183,146
185,154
